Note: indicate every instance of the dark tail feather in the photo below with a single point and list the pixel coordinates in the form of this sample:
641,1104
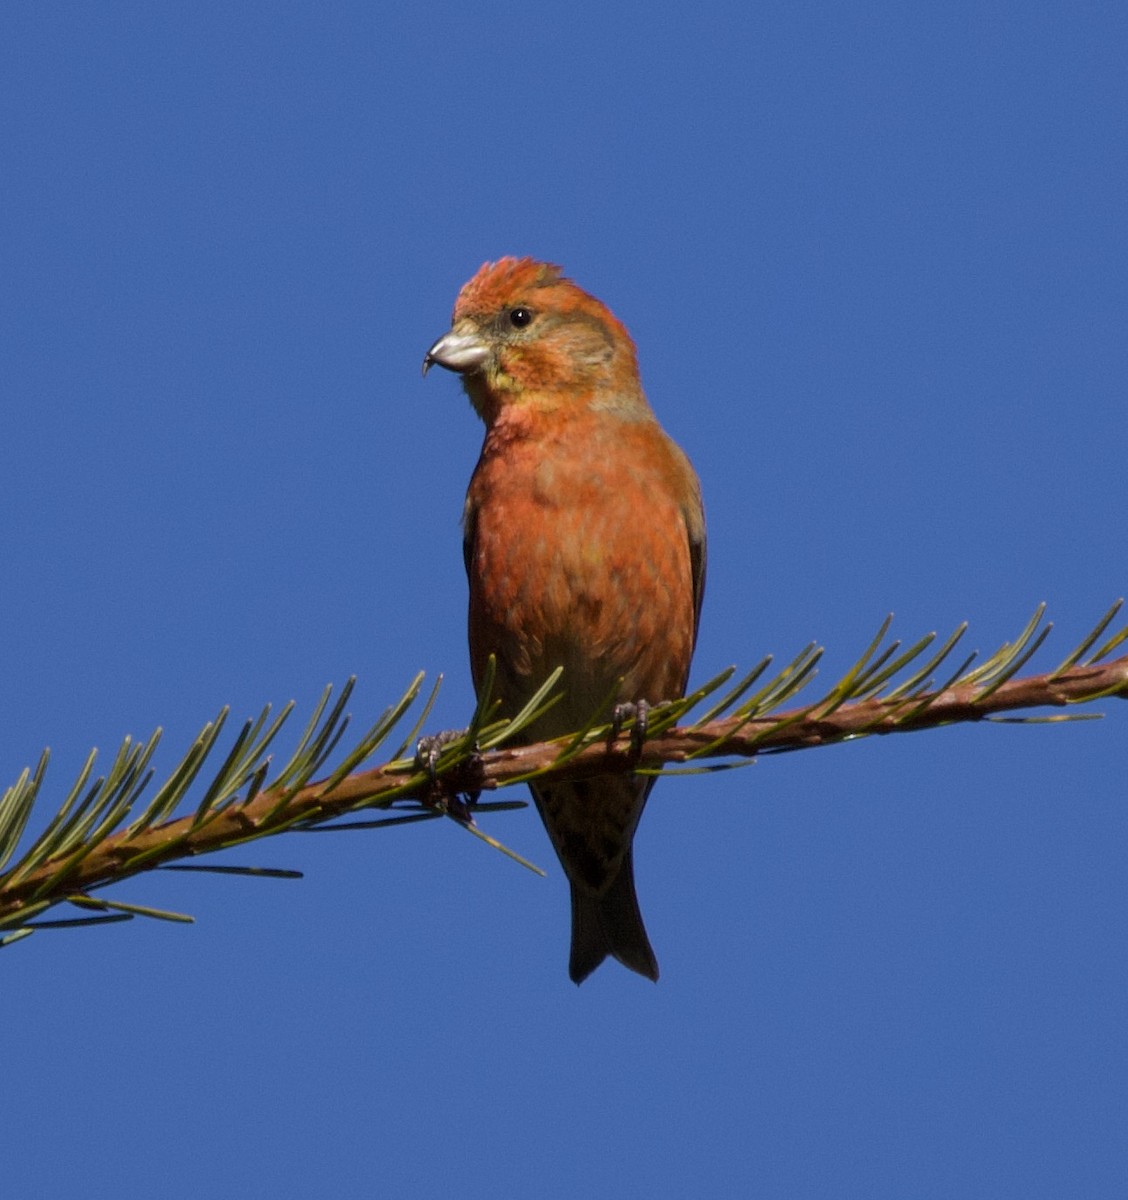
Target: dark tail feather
610,924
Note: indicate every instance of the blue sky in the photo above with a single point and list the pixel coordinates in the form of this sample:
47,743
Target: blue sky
873,256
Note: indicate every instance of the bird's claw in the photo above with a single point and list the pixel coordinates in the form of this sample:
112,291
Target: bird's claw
428,751
637,712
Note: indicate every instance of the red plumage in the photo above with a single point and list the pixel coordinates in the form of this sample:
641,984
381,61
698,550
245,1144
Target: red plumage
585,548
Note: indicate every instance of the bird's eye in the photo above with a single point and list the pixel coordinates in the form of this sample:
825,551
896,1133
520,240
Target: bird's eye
520,317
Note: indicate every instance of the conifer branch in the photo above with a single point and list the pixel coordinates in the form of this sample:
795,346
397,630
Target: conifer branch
89,845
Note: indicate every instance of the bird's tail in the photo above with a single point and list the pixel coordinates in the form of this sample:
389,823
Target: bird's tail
610,924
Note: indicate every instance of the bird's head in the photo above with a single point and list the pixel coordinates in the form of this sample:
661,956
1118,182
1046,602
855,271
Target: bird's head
524,335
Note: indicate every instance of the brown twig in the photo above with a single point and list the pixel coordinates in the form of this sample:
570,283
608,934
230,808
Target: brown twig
274,810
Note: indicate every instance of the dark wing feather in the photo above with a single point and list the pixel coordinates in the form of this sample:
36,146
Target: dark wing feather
697,557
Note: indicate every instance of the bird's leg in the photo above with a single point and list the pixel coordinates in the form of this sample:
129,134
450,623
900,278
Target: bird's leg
428,750
639,713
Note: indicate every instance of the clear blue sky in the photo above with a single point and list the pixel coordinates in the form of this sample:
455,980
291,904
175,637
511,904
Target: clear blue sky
874,259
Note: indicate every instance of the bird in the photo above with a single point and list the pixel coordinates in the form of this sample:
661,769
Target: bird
584,546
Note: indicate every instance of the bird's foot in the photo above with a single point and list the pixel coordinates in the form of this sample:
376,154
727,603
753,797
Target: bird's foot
429,749
454,801
639,714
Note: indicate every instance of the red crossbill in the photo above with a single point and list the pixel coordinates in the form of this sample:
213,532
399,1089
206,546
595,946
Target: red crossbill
584,541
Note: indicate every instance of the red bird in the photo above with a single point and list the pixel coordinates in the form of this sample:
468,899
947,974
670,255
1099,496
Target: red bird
585,548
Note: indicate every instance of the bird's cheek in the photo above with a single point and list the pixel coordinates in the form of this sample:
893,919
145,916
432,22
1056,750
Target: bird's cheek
505,375
531,369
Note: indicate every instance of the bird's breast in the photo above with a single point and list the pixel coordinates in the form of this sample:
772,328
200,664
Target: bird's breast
580,561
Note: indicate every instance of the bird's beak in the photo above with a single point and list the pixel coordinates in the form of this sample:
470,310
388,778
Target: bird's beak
459,350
